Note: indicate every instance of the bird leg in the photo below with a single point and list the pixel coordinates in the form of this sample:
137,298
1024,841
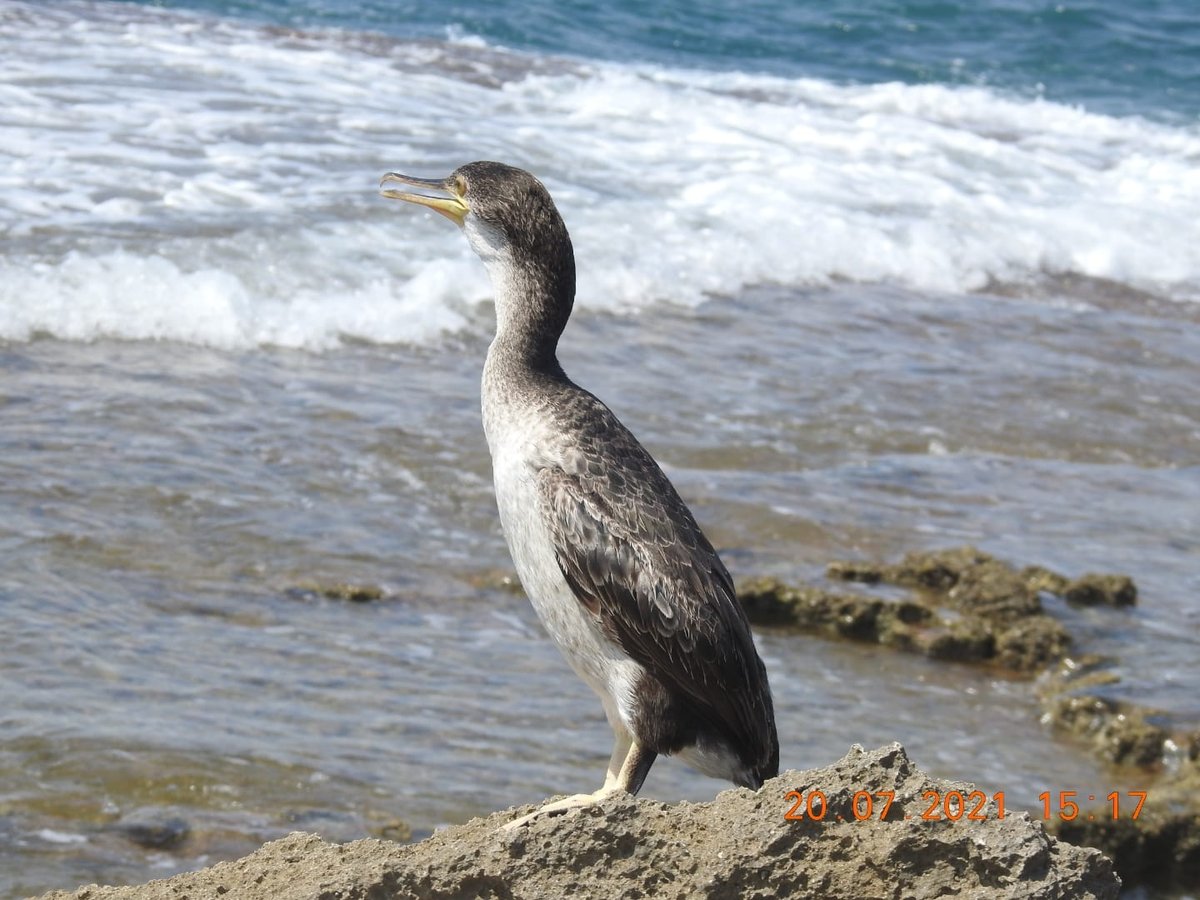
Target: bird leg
627,769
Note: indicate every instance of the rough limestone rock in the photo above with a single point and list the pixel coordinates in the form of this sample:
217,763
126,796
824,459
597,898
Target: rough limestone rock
738,846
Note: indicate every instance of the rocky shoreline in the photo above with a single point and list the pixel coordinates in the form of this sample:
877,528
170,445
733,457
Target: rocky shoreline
860,828
966,606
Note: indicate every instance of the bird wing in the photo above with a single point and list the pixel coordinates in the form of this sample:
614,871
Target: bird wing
634,556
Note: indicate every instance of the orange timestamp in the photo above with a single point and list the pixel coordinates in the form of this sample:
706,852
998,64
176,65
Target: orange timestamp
1068,810
953,805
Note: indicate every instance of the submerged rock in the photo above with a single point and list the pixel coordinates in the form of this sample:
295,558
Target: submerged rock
740,845
498,580
353,593
153,829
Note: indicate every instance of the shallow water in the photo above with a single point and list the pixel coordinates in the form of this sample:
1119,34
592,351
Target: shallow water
161,504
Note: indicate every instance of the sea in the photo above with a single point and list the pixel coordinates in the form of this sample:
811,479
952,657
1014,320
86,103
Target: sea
866,277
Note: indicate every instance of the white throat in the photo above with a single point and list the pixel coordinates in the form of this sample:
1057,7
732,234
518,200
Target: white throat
493,249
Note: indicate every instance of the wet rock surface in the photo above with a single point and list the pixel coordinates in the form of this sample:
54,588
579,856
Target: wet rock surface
738,846
351,593
1101,590
1161,847
153,829
966,606
1118,732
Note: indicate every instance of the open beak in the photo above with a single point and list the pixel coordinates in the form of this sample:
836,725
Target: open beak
453,207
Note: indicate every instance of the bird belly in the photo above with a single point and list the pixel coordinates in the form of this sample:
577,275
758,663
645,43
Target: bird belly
597,660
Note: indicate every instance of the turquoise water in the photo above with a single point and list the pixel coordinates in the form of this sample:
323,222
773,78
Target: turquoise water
1110,56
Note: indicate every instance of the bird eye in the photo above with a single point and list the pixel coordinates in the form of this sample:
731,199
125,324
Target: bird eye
460,185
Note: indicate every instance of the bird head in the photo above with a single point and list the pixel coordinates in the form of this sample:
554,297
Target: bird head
502,209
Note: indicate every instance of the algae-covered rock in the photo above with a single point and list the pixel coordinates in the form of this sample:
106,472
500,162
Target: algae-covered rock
1127,739
1078,674
994,590
964,578
394,830
770,602
1101,590
1005,621
965,640
904,625
353,593
154,829
938,570
1160,849
865,572
998,616
1161,846
498,580
1118,732
1031,644
1039,578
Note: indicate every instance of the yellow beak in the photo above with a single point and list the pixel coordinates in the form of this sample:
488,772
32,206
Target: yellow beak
453,207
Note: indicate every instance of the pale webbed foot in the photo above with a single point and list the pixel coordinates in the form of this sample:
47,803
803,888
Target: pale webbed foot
626,771
576,801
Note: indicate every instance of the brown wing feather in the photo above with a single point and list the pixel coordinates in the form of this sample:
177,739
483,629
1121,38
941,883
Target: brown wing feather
635,557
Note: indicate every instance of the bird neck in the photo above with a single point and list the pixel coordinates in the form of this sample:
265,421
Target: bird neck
534,296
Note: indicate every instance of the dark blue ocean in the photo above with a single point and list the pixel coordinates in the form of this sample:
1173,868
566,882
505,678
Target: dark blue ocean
1108,56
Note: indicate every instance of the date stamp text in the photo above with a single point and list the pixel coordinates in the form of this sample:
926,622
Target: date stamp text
972,806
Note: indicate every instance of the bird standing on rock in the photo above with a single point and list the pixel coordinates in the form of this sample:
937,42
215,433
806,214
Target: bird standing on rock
615,565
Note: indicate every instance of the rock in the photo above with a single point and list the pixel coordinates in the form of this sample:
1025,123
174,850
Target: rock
353,593
1120,732
1160,849
965,640
850,570
1040,578
967,606
153,829
1101,590
396,830
1032,644
768,601
738,846
991,589
939,570
498,580
963,578
1002,619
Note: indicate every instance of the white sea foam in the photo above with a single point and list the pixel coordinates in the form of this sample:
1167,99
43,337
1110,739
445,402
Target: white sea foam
170,176
50,836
